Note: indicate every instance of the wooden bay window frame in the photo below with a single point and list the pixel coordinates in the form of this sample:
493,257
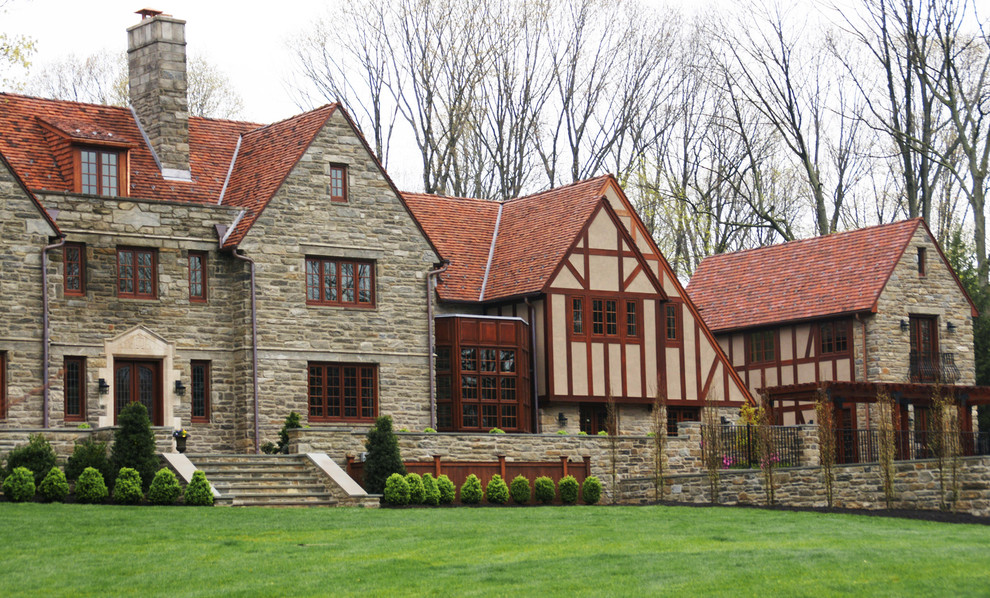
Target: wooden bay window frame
342,392
74,269
74,388
341,282
137,273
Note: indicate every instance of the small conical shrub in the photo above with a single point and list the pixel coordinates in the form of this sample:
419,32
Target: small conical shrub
19,485
396,490
591,490
198,492
416,490
520,489
165,488
471,490
431,494
90,487
134,443
383,456
496,492
544,490
568,490
448,492
127,488
54,488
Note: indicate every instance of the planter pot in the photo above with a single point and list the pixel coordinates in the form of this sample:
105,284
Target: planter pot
180,444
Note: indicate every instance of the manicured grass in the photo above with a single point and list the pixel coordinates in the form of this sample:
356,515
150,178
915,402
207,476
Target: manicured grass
82,550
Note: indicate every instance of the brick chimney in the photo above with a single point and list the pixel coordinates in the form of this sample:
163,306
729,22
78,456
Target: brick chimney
156,63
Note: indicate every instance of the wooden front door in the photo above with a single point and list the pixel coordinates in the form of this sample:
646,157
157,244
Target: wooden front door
924,349
138,381
847,436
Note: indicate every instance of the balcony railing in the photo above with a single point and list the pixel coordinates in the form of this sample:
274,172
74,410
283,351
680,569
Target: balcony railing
863,446
934,367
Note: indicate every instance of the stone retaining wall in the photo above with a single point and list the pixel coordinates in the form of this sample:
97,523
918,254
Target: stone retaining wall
64,440
916,486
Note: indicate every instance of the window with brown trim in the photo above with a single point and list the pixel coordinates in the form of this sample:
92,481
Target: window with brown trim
577,315
632,319
676,415
609,317
762,347
489,385
197,276
672,321
445,395
338,183
834,337
922,266
340,282
3,385
74,388
74,263
343,392
200,391
100,172
137,273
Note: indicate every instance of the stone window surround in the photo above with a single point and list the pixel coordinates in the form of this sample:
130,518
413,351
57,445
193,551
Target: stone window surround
356,281
80,388
205,366
325,368
141,343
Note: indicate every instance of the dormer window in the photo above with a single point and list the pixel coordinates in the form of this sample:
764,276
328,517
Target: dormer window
100,172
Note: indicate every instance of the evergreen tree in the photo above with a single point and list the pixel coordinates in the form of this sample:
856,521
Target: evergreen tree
383,456
134,443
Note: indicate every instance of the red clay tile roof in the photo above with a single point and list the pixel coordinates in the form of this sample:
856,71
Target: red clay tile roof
812,278
534,234
34,200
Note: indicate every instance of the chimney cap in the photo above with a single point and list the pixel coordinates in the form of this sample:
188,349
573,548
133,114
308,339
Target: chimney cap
148,13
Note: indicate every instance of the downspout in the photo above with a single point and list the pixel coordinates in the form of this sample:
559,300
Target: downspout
866,371
429,333
532,365
44,328
254,351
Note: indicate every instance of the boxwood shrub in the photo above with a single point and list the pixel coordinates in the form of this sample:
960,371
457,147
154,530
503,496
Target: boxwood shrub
165,488
37,455
416,490
471,490
88,453
90,487
520,489
544,490
431,494
591,490
198,492
568,490
396,490
496,492
448,492
54,488
127,488
19,485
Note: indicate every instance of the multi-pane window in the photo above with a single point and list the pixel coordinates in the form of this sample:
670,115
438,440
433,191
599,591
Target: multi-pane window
200,391
577,315
670,316
761,346
609,317
922,266
197,276
338,183
340,282
632,323
445,395
343,392
99,172
136,277
675,415
3,385
74,380
834,337
598,316
74,258
489,396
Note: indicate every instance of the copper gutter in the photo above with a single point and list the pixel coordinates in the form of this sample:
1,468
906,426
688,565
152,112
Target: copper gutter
430,333
45,349
254,350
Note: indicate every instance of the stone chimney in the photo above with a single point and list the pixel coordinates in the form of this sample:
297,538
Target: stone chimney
156,63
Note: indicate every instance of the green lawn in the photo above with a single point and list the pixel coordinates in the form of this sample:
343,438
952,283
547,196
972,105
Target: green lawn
83,550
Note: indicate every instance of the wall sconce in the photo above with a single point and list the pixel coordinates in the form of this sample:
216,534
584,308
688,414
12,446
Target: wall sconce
904,326
950,327
561,419
104,387
180,388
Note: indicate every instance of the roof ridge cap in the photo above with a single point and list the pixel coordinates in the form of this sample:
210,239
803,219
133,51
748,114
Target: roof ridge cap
560,188
332,107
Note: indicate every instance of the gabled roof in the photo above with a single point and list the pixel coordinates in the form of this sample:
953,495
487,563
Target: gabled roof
44,213
499,250
838,274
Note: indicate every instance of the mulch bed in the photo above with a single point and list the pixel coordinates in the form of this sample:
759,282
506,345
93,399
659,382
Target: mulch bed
939,516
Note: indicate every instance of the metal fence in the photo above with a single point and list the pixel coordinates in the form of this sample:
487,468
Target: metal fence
740,446
863,446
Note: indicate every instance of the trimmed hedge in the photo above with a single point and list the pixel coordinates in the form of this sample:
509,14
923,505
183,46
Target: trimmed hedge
198,493
90,487
496,492
127,488
591,490
544,490
19,485
396,490
37,455
417,493
568,490
471,490
88,453
165,488
520,490
54,488
448,492
431,494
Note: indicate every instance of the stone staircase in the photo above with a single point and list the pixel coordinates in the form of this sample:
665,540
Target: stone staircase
266,480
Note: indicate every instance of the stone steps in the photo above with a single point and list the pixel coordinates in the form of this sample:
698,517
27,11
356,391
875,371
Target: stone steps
265,480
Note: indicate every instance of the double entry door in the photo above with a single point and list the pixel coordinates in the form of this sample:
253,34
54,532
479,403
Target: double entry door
138,381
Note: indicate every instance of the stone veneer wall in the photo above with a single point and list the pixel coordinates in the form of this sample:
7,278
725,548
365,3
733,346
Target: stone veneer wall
916,486
63,441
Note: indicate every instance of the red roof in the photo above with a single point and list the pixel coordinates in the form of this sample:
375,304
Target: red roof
534,234
813,278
